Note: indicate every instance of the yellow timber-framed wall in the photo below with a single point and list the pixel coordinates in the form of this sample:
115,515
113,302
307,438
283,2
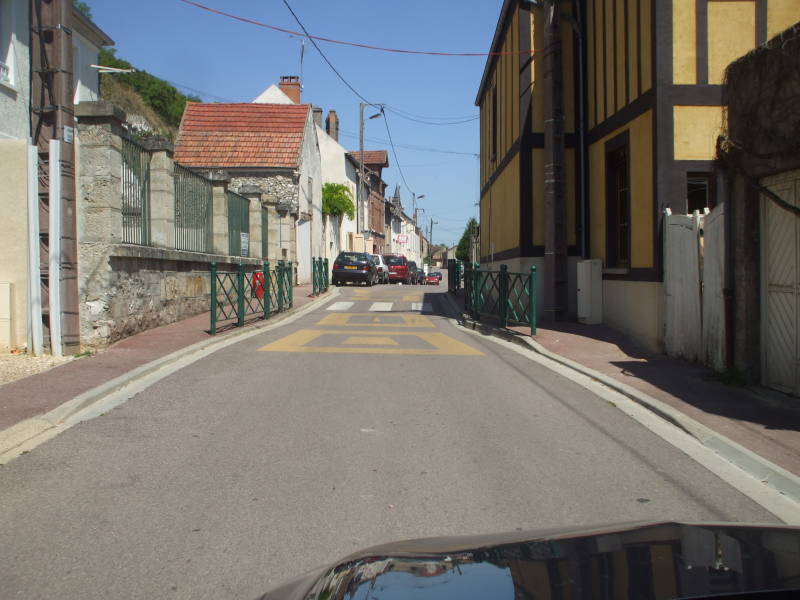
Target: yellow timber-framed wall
652,83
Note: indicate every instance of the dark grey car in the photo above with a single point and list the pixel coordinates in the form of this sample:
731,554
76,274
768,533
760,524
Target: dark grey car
356,267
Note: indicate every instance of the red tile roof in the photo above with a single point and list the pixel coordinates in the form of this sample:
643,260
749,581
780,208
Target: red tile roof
241,135
373,158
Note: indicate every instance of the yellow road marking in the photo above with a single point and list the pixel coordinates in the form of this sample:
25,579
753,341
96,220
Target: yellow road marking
370,340
442,344
411,320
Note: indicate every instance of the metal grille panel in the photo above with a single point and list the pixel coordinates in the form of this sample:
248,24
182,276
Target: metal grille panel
193,206
135,194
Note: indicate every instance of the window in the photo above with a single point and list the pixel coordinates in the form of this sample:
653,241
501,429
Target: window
6,42
494,123
618,206
698,192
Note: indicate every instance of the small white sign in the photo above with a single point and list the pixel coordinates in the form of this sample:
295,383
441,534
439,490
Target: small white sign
402,238
69,134
245,237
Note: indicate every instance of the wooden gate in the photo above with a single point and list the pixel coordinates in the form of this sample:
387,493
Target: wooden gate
780,286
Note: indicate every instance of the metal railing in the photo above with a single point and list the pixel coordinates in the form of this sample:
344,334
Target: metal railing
264,232
235,295
135,194
455,272
510,297
238,224
320,278
193,211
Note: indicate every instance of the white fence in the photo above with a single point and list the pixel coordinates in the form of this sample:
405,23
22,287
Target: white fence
694,317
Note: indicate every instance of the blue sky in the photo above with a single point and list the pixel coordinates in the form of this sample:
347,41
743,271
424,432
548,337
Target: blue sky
226,59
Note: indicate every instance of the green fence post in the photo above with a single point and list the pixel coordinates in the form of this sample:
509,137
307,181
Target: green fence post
240,295
476,290
503,293
213,298
532,299
279,274
290,282
327,275
313,276
267,286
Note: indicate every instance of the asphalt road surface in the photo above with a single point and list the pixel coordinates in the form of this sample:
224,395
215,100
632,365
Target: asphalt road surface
371,419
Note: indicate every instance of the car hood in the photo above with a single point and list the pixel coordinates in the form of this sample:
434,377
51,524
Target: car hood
633,560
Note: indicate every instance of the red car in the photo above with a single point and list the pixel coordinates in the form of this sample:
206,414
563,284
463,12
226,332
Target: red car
398,268
431,279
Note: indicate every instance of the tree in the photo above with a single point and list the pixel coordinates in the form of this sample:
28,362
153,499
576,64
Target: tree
337,200
463,250
82,8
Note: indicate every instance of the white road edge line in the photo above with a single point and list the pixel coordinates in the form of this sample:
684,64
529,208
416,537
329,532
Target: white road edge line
27,435
773,501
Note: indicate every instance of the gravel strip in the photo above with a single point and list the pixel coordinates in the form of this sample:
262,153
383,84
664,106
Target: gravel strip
17,366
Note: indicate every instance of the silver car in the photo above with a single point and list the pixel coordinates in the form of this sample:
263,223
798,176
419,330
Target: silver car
382,267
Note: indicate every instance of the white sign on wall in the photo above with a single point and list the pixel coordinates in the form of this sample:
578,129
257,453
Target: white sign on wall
245,237
402,238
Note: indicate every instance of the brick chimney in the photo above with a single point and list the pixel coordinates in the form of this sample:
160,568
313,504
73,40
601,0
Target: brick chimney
332,125
290,85
317,111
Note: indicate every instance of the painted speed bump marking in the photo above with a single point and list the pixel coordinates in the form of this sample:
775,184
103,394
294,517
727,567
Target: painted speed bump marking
370,340
422,306
441,345
404,320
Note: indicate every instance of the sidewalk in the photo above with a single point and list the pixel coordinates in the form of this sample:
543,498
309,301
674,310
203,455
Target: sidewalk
40,393
747,416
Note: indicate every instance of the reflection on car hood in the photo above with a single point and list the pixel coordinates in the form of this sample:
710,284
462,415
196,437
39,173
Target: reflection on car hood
645,560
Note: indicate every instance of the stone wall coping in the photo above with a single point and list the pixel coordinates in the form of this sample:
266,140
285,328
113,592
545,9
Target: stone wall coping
99,110
157,144
134,251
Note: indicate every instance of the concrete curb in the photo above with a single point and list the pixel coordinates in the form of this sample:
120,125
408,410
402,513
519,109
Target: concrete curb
30,432
756,466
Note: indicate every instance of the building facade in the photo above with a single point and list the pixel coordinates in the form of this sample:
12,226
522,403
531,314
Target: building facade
583,147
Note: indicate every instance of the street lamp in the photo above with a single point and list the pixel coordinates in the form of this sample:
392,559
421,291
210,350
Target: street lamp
361,161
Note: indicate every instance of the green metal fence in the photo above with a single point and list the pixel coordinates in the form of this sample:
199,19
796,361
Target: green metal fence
193,211
455,272
135,194
238,223
264,232
320,275
235,295
510,297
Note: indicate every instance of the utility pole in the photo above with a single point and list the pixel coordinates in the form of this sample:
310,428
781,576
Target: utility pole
360,165
555,214
53,128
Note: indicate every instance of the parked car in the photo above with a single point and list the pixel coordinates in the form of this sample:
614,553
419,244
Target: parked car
431,279
415,272
398,268
354,267
382,267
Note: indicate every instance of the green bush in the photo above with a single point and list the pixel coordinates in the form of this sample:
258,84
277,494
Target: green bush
337,200
159,95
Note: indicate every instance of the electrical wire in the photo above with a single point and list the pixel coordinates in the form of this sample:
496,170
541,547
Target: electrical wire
410,146
404,113
354,44
470,120
321,53
394,150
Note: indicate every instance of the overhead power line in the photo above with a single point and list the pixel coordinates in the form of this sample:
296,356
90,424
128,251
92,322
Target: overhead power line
394,150
345,43
410,146
330,64
322,54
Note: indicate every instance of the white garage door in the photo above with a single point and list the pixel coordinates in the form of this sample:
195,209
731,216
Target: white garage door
780,253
